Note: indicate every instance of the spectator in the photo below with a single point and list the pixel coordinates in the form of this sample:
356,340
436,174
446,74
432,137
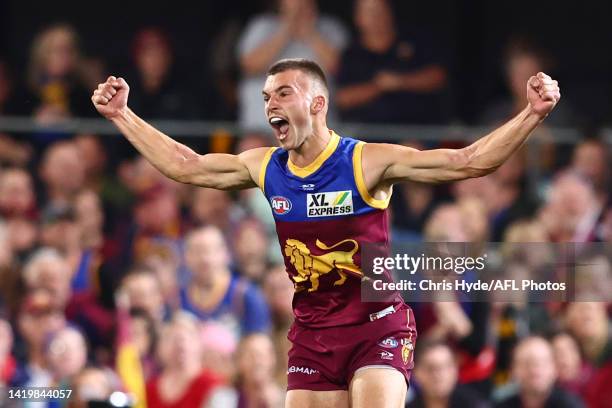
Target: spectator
220,347
155,92
574,373
59,160
183,382
436,373
17,198
571,212
212,207
66,354
590,160
522,59
214,293
57,75
278,291
144,335
589,323
250,245
296,30
144,292
533,367
388,76
92,385
39,317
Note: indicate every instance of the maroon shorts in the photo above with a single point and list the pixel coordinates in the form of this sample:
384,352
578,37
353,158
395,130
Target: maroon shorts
327,359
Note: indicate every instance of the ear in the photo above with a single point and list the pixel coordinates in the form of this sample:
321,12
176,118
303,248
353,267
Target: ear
318,104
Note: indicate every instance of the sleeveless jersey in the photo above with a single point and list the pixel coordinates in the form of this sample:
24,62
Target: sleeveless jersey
324,214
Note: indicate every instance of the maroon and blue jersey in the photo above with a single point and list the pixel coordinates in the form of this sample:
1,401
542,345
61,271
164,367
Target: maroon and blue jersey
324,214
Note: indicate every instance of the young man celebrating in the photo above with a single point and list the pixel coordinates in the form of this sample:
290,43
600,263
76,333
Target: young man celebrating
329,196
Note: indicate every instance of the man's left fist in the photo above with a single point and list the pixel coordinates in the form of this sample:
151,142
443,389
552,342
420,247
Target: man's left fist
543,93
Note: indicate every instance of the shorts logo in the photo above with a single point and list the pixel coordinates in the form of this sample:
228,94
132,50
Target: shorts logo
407,348
389,342
329,204
385,355
303,370
280,205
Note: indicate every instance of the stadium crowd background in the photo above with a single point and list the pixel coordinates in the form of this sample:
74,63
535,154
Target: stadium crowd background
104,262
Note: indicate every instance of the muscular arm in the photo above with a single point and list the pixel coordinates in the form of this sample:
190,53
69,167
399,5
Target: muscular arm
385,164
180,163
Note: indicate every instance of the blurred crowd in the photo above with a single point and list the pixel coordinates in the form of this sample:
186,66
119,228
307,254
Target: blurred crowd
114,278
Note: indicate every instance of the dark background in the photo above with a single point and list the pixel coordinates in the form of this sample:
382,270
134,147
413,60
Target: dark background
472,33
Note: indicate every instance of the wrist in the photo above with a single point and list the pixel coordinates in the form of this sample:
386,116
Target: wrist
120,115
532,114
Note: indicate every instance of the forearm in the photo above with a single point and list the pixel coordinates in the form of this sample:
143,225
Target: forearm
354,96
163,152
257,61
428,79
488,153
327,55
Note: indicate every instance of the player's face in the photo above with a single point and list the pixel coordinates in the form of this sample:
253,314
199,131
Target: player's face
288,98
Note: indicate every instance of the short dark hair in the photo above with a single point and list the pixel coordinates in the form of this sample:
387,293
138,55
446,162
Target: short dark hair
302,64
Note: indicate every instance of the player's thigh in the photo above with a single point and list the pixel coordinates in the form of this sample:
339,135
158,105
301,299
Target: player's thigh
316,399
377,387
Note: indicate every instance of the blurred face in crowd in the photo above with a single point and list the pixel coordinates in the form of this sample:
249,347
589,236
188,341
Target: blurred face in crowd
299,100
567,357
251,248
58,51
278,291
590,160
155,213
67,353
92,154
52,273
152,54
587,320
63,234
373,17
210,206
570,199
474,216
16,192
206,254
180,345
62,169
436,372
534,368
446,225
39,318
520,67
296,7
256,359
144,292
89,215
140,335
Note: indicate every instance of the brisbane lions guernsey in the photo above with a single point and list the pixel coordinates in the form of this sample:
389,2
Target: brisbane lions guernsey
324,214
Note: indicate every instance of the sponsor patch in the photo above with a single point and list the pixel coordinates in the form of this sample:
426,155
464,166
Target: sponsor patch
385,355
389,342
407,348
303,370
280,205
329,204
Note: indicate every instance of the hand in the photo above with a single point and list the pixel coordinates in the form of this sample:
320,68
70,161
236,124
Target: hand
111,97
388,81
543,93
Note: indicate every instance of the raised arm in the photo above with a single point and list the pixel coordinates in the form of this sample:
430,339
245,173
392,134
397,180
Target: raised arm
173,159
388,164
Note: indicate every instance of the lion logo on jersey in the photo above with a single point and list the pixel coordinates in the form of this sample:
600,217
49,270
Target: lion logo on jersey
310,267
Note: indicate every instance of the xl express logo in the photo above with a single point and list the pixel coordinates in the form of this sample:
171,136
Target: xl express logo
329,204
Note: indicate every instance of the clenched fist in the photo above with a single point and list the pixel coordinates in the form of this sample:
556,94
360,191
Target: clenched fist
110,98
543,93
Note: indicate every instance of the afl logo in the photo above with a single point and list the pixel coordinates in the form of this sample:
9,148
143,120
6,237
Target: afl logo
280,205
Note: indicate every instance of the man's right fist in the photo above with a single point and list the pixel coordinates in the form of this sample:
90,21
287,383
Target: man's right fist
110,98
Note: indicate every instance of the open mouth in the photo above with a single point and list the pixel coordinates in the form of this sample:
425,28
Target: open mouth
281,125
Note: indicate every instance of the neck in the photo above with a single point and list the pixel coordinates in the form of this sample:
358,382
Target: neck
435,402
311,147
378,41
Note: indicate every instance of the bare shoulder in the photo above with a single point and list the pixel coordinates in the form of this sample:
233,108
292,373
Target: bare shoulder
253,160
